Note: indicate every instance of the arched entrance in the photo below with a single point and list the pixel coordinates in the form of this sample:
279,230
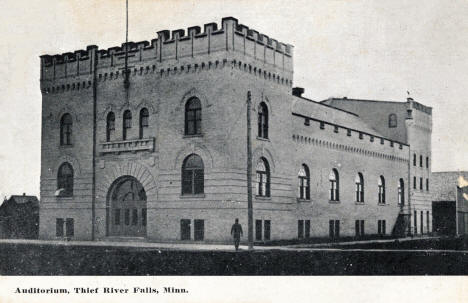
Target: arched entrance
126,205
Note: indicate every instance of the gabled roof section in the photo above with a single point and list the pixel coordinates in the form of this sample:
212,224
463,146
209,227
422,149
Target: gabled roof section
23,199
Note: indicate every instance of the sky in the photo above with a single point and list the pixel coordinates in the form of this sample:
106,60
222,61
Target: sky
359,49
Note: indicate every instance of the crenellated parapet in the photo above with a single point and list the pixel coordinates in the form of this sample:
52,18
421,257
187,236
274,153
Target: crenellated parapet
178,47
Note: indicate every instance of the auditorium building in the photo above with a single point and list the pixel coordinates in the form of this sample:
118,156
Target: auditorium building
159,153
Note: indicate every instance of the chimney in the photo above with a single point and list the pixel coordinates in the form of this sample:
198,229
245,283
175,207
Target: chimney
297,91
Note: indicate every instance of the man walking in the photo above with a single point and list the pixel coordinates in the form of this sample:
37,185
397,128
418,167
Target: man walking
236,232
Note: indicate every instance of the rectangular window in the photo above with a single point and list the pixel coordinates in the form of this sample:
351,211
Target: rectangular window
427,184
322,125
134,216
59,227
266,229
414,159
143,217
428,226
185,229
334,229
127,216
117,216
415,215
359,228
348,133
70,227
420,161
421,183
307,229
199,230
300,229
391,143
371,138
381,227
335,129
427,162
361,136
382,141
258,230
307,122
422,222
414,182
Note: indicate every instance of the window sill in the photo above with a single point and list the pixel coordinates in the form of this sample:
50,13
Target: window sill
263,139
66,146
193,136
358,203
382,204
190,196
299,200
334,201
64,198
262,198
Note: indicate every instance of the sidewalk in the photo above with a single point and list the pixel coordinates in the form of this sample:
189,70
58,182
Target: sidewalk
331,246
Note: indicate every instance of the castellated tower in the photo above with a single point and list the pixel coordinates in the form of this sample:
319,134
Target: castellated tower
165,158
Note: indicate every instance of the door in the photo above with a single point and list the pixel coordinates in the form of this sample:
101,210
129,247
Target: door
127,212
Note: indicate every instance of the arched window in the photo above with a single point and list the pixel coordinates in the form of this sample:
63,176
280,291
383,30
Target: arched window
193,175
334,185
392,121
144,116
381,189
401,192
359,180
193,117
304,183
127,124
110,127
65,180
66,130
263,178
263,121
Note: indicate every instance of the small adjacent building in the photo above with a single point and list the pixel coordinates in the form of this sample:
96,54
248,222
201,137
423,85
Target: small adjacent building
450,202
19,217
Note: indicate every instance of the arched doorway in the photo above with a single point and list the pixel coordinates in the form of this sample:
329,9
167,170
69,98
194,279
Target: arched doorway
126,203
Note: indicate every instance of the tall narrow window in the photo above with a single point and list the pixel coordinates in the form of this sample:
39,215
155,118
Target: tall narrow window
110,127
263,178
359,180
65,180
66,130
304,183
193,178
144,116
334,185
420,183
427,184
263,121
420,161
427,162
193,117
414,182
392,121
414,159
381,185
401,192
127,124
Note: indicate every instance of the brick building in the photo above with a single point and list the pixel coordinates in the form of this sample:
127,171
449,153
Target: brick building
164,157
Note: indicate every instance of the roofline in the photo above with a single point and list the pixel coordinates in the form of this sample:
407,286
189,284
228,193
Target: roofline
352,129
363,100
319,103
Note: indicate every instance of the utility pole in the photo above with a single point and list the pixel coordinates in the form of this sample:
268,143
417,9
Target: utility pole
249,173
126,81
